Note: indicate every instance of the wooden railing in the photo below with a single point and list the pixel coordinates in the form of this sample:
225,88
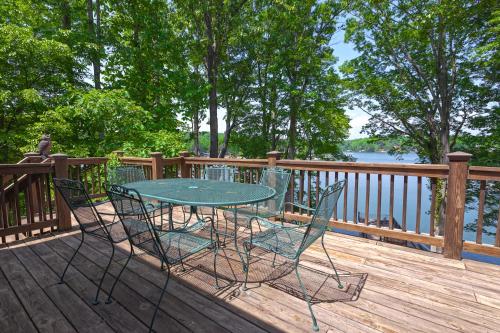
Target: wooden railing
26,199
417,203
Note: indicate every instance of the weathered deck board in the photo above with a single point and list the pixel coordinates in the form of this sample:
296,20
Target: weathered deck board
405,291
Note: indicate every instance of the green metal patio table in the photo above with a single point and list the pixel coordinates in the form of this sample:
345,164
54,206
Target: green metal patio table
206,193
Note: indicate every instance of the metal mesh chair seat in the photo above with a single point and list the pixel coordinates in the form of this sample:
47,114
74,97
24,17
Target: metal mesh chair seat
283,241
117,231
177,245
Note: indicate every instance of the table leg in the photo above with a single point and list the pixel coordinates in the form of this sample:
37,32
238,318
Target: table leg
235,213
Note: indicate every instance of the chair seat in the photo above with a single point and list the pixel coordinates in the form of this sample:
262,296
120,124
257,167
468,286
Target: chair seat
284,241
176,245
244,214
117,232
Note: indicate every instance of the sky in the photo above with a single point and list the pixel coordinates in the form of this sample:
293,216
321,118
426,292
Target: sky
343,51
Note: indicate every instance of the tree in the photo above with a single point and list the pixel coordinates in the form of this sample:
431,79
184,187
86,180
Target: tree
33,73
211,23
417,76
296,97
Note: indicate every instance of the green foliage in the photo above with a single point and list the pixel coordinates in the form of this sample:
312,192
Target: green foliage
167,142
33,76
92,123
417,75
371,145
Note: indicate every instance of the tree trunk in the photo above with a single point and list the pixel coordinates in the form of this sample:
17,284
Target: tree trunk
227,134
211,61
292,132
93,38
196,132
97,59
66,15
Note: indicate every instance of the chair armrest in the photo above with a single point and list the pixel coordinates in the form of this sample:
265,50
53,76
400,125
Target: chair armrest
300,206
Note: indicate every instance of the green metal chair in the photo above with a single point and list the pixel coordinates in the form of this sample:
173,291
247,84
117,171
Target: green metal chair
276,178
291,241
171,246
90,222
221,173
124,174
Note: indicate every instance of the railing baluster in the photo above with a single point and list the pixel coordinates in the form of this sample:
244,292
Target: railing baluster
17,208
419,204
38,190
309,191
497,235
335,209
367,199
3,210
355,206
480,212
379,199
405,202
391,204
301,189
433,206
318,181
92,177
346,189
28,198
292,189
49,197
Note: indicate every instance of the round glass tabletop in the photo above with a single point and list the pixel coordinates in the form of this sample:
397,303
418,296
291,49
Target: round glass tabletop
200,192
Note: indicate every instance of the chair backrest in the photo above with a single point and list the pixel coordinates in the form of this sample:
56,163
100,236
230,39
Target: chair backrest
322,214
125,174
277,179
222,173
131,211
76,197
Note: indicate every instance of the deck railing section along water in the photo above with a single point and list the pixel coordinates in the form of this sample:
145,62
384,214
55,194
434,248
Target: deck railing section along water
28,202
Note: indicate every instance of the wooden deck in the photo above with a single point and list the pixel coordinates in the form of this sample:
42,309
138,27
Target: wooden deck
389,289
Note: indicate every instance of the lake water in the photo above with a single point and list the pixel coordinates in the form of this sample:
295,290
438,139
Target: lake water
411,210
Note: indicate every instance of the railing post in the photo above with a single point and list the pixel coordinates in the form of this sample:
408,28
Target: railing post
32,154
157,165
272,157
33,197
455,204
61,171
185,169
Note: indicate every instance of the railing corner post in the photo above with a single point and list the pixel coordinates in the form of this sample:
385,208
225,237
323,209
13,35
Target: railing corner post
157,165
185,169
455,204
61,171
272,157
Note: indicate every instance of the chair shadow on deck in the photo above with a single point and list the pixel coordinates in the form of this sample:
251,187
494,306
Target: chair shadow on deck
321,286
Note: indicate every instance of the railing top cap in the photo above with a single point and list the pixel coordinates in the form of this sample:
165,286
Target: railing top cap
459,156
273,153
31,154
58,155
156,153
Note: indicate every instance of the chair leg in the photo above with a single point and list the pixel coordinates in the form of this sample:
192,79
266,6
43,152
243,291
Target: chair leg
96,300
216,251
159,300
71,259
108,301
315,326
247,252
331,262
